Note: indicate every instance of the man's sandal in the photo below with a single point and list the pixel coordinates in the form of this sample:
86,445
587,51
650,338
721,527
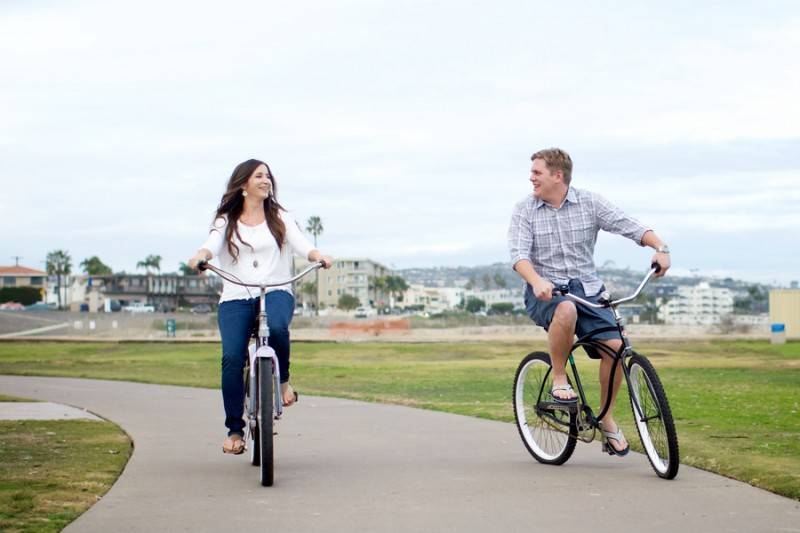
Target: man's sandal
234,444
617,436
566,388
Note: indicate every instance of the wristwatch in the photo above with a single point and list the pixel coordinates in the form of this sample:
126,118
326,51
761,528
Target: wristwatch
663,249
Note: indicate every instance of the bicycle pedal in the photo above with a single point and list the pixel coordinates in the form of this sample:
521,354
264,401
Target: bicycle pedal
555,406
607,449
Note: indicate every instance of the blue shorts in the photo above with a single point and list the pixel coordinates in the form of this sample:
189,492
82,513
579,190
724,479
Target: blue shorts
589,318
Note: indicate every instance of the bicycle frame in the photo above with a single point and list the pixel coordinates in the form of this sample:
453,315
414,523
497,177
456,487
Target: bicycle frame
261,349
618,356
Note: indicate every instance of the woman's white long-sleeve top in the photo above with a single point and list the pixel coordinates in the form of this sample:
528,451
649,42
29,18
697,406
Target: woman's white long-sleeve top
260,262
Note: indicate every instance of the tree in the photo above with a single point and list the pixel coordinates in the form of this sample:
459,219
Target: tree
310,289
314,227
376,284
474,305
501,308
151,261
93,266
59,263
186,270
395,285
487,282
348,302
499,280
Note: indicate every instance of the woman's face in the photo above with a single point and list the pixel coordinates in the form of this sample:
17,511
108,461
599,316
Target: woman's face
258,186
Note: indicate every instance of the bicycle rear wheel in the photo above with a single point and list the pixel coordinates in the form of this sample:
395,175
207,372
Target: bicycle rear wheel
265,421
656,427
548,433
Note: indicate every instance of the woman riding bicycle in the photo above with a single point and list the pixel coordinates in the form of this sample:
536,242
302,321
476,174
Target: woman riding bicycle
253,238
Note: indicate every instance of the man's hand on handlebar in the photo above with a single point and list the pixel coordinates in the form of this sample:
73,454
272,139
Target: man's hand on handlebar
543,290
663,262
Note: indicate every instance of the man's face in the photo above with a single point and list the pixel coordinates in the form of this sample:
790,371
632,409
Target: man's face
544,182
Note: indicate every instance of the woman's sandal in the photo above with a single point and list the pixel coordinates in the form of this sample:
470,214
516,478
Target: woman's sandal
617,436
233,444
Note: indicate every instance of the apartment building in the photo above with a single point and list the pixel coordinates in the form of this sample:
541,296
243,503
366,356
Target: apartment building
698,304
353,276
163,291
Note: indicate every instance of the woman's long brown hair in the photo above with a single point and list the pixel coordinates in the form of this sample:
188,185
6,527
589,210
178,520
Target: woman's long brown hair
232,205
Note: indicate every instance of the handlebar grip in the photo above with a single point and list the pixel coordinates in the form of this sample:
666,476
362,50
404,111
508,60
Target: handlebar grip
656,266
561,290
202,265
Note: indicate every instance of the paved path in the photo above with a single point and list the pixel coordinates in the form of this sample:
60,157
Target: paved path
351,466
42,411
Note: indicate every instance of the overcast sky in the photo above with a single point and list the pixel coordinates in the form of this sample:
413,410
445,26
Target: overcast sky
406,126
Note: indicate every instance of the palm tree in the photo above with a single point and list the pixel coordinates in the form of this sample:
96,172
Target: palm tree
153,261
186,270
314,227
376,284
395,285
93,266
59,263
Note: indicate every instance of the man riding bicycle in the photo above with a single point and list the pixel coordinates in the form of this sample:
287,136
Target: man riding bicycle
551,240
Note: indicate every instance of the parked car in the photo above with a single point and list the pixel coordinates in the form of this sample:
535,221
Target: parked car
41,306
139,308
364,312
12,306
201,309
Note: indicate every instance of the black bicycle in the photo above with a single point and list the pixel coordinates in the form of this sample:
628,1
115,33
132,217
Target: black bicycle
263,403
551,429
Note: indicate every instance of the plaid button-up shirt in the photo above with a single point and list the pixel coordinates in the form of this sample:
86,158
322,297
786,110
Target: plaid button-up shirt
559,242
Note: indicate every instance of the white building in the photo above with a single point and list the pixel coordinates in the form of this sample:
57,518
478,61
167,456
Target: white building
438,299
698,304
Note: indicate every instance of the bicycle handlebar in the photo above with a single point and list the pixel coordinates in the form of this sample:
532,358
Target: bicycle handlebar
563,290
205,265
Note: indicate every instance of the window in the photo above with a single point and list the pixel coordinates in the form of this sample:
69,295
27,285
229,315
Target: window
9,281
37,280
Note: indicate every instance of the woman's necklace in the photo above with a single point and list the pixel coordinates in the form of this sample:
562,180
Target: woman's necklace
251,226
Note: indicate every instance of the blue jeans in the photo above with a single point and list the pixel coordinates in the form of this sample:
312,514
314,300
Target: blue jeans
237,320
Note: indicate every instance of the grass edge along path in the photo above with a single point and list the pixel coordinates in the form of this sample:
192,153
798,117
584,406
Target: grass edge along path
716,388
52,471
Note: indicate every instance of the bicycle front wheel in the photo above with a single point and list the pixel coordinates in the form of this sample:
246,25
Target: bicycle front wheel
264,434
654,423
548,433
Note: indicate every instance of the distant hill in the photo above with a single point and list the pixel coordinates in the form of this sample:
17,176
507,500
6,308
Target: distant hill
499,275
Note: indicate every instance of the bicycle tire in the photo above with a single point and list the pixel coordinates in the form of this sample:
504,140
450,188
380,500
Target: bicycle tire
265,421
251,431
545,443
656,428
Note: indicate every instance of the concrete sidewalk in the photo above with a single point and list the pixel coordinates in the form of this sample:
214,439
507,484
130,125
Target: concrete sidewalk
42,411
352,466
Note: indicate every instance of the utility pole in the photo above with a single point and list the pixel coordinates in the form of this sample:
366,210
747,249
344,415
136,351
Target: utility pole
16,259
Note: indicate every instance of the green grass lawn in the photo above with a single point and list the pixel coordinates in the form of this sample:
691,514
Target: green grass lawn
736,403
52,471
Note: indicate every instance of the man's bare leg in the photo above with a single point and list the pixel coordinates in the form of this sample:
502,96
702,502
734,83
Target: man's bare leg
559,340
606,364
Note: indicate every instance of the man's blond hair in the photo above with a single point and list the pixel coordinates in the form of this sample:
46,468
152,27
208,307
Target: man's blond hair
556,159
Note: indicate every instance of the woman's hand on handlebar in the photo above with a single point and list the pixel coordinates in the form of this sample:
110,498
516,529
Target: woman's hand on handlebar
201,255
317,257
